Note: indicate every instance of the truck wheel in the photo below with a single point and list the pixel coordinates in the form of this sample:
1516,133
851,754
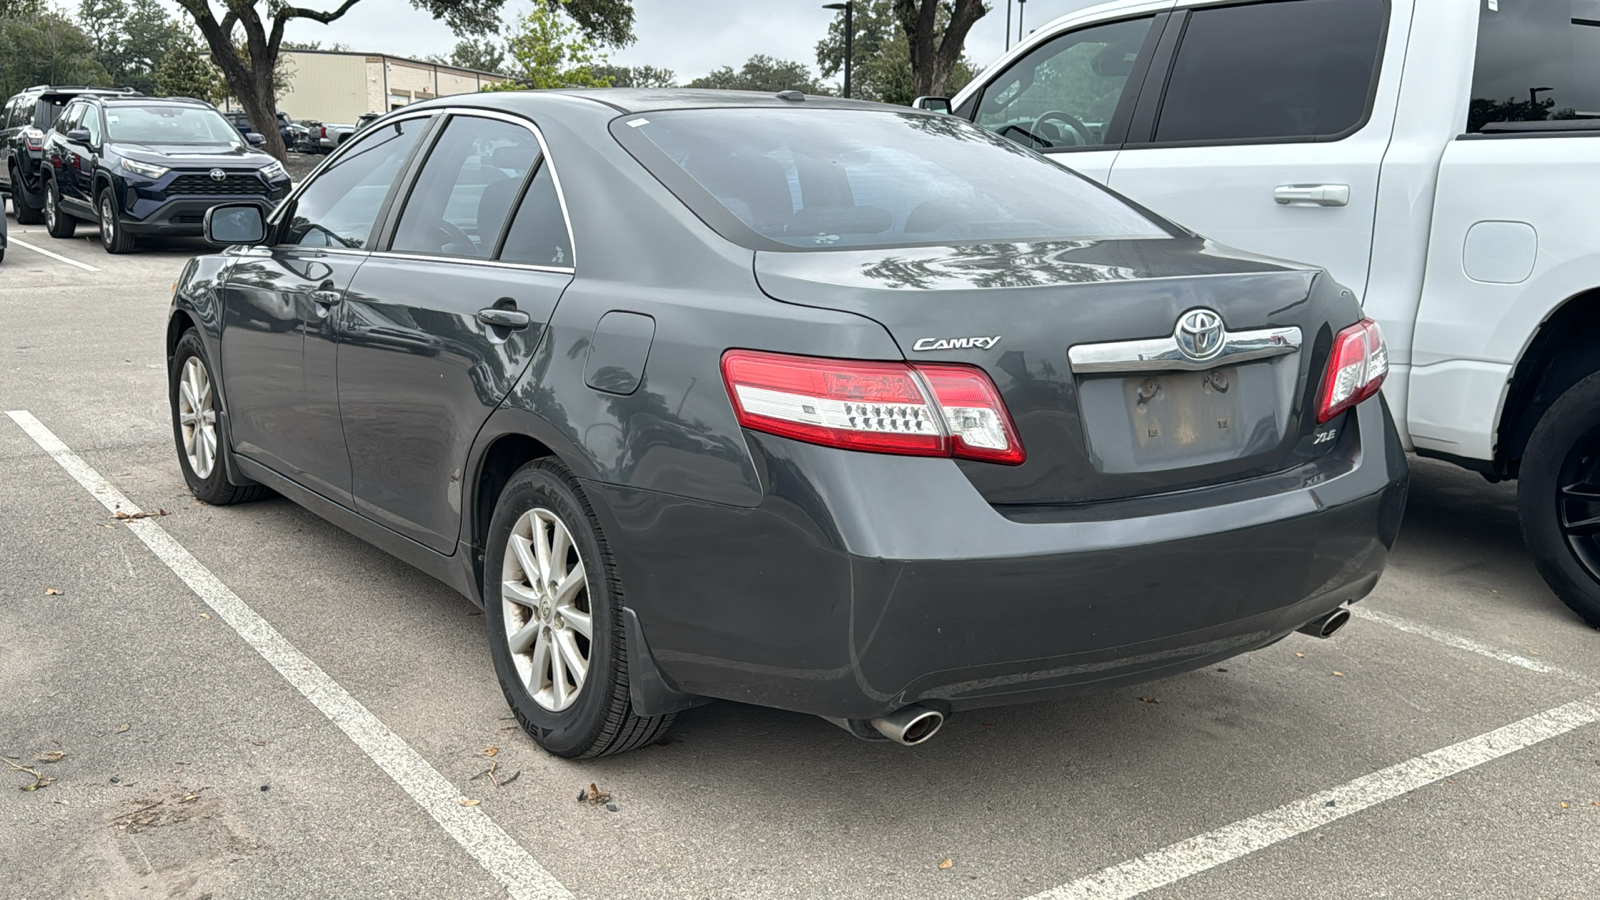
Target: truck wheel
57,222
553,607
1558,497
26,215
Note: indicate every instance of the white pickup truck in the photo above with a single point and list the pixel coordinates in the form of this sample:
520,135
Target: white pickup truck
1441,158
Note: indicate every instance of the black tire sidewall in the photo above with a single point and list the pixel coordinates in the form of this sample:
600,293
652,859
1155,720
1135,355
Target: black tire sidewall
574,731
1574,414
214,488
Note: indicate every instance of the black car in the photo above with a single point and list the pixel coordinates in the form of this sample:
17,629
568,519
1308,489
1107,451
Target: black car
146,166
810,403
26,118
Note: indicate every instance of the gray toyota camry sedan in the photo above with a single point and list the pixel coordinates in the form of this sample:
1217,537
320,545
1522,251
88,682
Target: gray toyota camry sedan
830,406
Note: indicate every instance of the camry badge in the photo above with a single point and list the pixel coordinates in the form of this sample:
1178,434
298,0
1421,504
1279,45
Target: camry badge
1199,334
218,175
961,343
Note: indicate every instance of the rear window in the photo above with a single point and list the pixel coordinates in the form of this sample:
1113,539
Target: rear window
821,179
1538,60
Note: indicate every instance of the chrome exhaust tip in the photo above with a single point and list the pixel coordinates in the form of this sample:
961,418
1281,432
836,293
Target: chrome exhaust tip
1325,626
909,726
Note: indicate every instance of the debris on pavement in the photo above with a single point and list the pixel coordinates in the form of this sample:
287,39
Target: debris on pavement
54,756
53,592
1149,700
141,515
39,779
593,795
948,862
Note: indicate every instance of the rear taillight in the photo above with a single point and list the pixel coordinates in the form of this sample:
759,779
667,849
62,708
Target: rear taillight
880,407
1355,369
33,138
322,131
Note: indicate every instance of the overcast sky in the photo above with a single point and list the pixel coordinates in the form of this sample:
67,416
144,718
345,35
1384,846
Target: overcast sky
690,37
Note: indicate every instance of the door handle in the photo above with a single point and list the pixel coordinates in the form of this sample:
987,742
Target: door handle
326,297
1312,194
504,318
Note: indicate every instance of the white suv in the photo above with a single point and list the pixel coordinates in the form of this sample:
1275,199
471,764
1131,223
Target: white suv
1440,157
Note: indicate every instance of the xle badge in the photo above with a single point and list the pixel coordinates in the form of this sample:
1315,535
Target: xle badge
961,343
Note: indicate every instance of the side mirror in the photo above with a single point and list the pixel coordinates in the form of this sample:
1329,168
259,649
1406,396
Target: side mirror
234,224
255,139
78,135
932,104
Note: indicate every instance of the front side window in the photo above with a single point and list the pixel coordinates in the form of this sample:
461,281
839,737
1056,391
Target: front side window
1283,70
1065,93
340,206
1538,60
90,122
836,179
169,125
463,195
69,119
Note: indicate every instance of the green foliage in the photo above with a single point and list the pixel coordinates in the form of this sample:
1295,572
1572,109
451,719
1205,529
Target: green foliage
881,55
45,48
547,51
482,54
186,71
763,73
637,76
22,9
130,38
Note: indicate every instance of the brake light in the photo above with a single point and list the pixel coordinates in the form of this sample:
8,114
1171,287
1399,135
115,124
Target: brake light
1356,369
878,407
33,138
322,131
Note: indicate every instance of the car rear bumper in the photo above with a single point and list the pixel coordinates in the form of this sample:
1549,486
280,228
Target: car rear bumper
864,583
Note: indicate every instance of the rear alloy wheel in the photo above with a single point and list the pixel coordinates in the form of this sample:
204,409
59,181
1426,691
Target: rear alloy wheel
26,215
555,622
58,223
112,235
201,448
1558,495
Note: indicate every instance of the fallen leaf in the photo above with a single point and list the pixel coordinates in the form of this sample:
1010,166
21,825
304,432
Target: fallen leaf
947,863
53,592
1564,806
470,802
141,515
1340,674
594,794
259,743
491,751
205,615
1149,699
1300,655
52,756
125,727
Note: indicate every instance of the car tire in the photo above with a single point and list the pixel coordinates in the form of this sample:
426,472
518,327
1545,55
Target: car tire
201,448
57,221
118,240
26,215
1558,489
541,502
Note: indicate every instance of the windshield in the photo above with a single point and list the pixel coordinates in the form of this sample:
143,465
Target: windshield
169,125
821,179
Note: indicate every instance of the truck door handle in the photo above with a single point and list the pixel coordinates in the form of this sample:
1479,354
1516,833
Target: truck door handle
504,318
1312,194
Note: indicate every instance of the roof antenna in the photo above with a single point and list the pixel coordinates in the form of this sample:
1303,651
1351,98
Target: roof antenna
791,95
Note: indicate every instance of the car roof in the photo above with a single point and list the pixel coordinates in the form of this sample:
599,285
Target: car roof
155,101
639,100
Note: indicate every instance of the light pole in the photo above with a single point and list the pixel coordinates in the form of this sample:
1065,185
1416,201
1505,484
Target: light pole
1008,24
849,34
1022,7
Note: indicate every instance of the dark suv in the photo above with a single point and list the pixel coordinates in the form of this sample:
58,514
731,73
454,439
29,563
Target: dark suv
144,166
26,118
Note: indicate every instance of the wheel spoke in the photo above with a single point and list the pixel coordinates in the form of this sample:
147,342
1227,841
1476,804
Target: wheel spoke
1582,527
568,588
579,621
186,393
541,660
567,650
541,546
558,674
560,543
1581,493
186,418
191,437
204,455
530,568
525,637
520,594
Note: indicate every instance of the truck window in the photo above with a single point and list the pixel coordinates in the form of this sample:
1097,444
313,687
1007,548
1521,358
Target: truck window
1537,61
1284,70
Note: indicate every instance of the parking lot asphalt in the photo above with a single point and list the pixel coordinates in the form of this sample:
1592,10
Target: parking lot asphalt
1375,764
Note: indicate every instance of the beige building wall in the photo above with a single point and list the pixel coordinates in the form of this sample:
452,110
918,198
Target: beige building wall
339,87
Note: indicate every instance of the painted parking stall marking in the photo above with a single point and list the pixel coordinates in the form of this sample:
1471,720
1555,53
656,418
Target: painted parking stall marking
1467,644
506,860
1230,842
52,254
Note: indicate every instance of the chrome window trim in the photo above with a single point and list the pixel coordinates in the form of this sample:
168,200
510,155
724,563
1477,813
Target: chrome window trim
1162,354
471,261
544,156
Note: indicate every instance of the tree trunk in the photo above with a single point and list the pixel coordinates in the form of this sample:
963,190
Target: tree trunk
932,62
250,80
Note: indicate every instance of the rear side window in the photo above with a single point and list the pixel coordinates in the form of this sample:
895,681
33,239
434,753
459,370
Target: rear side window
1538,60
46,112
69,119
464,193
538,234
836,179
1284,70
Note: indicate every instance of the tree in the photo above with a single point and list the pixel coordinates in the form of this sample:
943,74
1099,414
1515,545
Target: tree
763,73
130,39
482,54
881,51
637,76
549,52
249,64
45,48
186,71
936,43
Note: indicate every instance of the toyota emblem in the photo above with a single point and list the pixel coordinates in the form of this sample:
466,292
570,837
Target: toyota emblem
1199,334
218,175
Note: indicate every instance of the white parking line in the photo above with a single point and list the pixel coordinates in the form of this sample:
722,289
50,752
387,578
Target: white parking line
1467,644
1230,842
511,865
53,255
